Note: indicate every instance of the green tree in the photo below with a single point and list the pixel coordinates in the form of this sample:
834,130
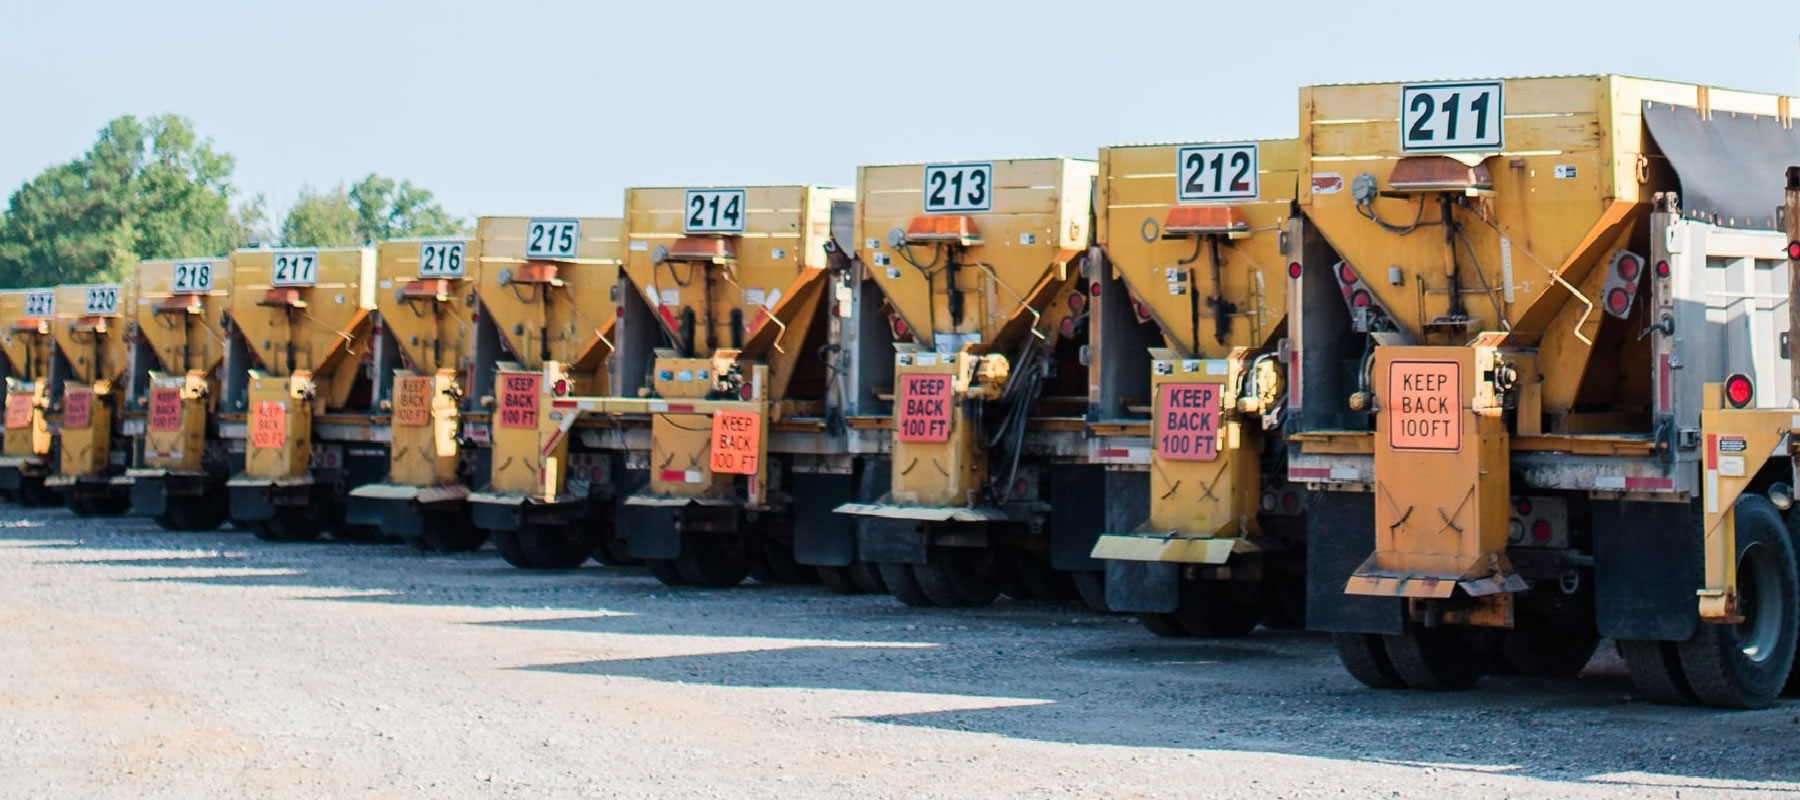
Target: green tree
321,219
147,189
373,210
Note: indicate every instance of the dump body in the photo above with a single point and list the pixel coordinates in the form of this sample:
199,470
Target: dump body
1196,232
1518,301
303,322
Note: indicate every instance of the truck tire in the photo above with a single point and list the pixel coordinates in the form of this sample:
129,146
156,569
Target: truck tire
1536,648
448,532
192,514
1090,584
903,586
956,577
857,577
1433,659
1656,673
289,528
664,569
1746,665
1365,657
541,546
714,562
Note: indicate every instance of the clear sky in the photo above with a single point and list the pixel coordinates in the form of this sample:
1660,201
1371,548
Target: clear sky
555,107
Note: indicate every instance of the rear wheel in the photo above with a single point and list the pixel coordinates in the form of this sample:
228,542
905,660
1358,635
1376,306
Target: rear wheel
1535,647
777,565
286,529
1166,625
714,562
1365,657
611,552
958,578
1433,659
1746,665
448,532
664,569
838,580
86,504
867,577
1091,585
903,586
1212,609
543,546
192,514
1656,673
1042,581
34,494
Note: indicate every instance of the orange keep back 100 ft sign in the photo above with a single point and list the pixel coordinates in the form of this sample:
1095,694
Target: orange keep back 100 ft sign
1423,412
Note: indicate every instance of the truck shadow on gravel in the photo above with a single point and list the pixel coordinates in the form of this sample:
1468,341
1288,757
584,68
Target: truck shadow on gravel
1054,673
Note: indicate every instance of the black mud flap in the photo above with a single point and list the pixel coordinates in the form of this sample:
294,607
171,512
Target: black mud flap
1143,587
149,497
891,541
369,511
251,504
649,531
1647,566
495,516
1340,535
823,537
1076,521
1730,165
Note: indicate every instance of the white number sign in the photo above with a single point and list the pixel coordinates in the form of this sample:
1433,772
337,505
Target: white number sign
193,277
714,211
441,259
552,238
1211,172
295,268
40,303
101,300
1451,116
958,187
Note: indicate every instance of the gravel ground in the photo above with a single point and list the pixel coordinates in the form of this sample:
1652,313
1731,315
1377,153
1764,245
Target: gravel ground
139,663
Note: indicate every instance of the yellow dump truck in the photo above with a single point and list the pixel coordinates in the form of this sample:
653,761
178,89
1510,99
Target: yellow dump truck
172,398
980,266
27,316
423,360
723,347
1197,234
299,389
548,290
1540,328
90,331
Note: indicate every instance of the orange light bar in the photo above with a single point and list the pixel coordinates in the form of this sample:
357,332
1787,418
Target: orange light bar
943,228
702,248
38,324
181,304
282,297
1438,174
427,289
1205,219
89,324
535,272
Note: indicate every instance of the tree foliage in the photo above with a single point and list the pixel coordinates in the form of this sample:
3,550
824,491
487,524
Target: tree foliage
376,208
147,189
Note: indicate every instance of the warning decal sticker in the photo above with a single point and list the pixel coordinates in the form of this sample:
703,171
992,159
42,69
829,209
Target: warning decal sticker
1187,421
1421,406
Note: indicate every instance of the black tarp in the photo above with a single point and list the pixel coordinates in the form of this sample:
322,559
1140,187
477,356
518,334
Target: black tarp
1731,166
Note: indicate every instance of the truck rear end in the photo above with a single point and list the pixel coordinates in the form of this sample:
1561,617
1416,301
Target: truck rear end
1539,329
27,316
178,478
92,325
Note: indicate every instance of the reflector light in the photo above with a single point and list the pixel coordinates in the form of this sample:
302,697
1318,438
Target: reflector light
744,391
1094,289
1294,269
1794,251
1345,273
1540,532
1739,391
1067,326
1662,269
901,329
1142,311
1524,507
1290,501
1077,302
1628,268
1617,301
560,388
1020,487
1360,299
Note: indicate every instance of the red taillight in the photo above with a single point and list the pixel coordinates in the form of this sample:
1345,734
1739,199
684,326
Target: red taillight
1293,269
1290,502
1361,299
560,388
901,329
1077,302
1628,268
1794,251
1739,391
1067,326
1345,273
1540,532
1617,301
1524,507
1662,269
1094,289
744,391
1020,487
1142,311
